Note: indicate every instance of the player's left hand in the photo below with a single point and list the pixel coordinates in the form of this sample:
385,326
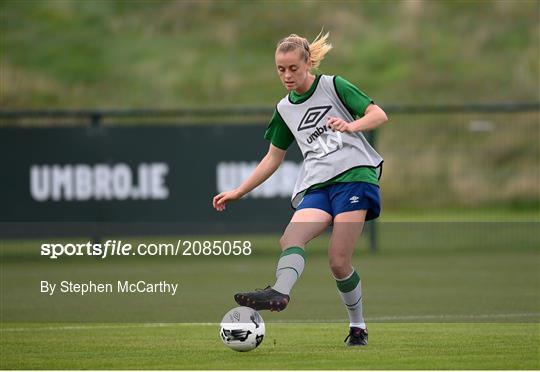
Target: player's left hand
337,124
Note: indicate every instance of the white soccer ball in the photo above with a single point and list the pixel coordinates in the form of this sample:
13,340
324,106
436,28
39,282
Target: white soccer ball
242,329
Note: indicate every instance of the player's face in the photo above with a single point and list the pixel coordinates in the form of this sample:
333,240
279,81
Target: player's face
293,70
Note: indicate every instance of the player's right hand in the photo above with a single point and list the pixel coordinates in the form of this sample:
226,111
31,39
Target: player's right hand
219,202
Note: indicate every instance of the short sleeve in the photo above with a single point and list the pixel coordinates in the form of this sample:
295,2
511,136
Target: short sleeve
278,133
353,98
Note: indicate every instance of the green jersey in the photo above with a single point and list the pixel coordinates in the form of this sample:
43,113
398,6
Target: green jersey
356,103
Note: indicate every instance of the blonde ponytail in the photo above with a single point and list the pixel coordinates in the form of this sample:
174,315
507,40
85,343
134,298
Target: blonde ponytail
318,49
313,52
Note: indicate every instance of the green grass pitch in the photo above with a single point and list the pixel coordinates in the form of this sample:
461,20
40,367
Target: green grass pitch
436,296
286,346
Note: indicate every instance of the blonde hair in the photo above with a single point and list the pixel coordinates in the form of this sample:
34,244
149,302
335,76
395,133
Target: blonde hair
313,52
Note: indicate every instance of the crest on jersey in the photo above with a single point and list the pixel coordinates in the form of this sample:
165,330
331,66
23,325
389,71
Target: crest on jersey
313,116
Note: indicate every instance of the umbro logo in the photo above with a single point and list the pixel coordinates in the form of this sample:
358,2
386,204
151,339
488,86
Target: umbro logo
313,116
354,199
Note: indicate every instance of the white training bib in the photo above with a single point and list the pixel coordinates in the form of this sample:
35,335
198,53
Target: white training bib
326,153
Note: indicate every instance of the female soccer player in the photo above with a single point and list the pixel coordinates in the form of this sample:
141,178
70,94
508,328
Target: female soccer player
338,183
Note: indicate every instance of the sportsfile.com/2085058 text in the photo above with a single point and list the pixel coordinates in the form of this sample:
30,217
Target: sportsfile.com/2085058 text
179,248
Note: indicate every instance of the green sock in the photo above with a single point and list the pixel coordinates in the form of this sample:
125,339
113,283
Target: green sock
350,289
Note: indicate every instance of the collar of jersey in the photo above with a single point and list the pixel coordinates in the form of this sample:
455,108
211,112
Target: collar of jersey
296,98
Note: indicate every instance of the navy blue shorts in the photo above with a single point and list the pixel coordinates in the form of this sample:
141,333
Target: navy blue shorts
345,197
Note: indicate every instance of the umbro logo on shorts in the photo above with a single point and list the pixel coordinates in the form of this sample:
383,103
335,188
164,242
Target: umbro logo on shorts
313,116
354,199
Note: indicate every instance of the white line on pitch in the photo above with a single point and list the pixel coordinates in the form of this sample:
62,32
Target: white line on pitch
97,326
417,317
453,316
372,319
